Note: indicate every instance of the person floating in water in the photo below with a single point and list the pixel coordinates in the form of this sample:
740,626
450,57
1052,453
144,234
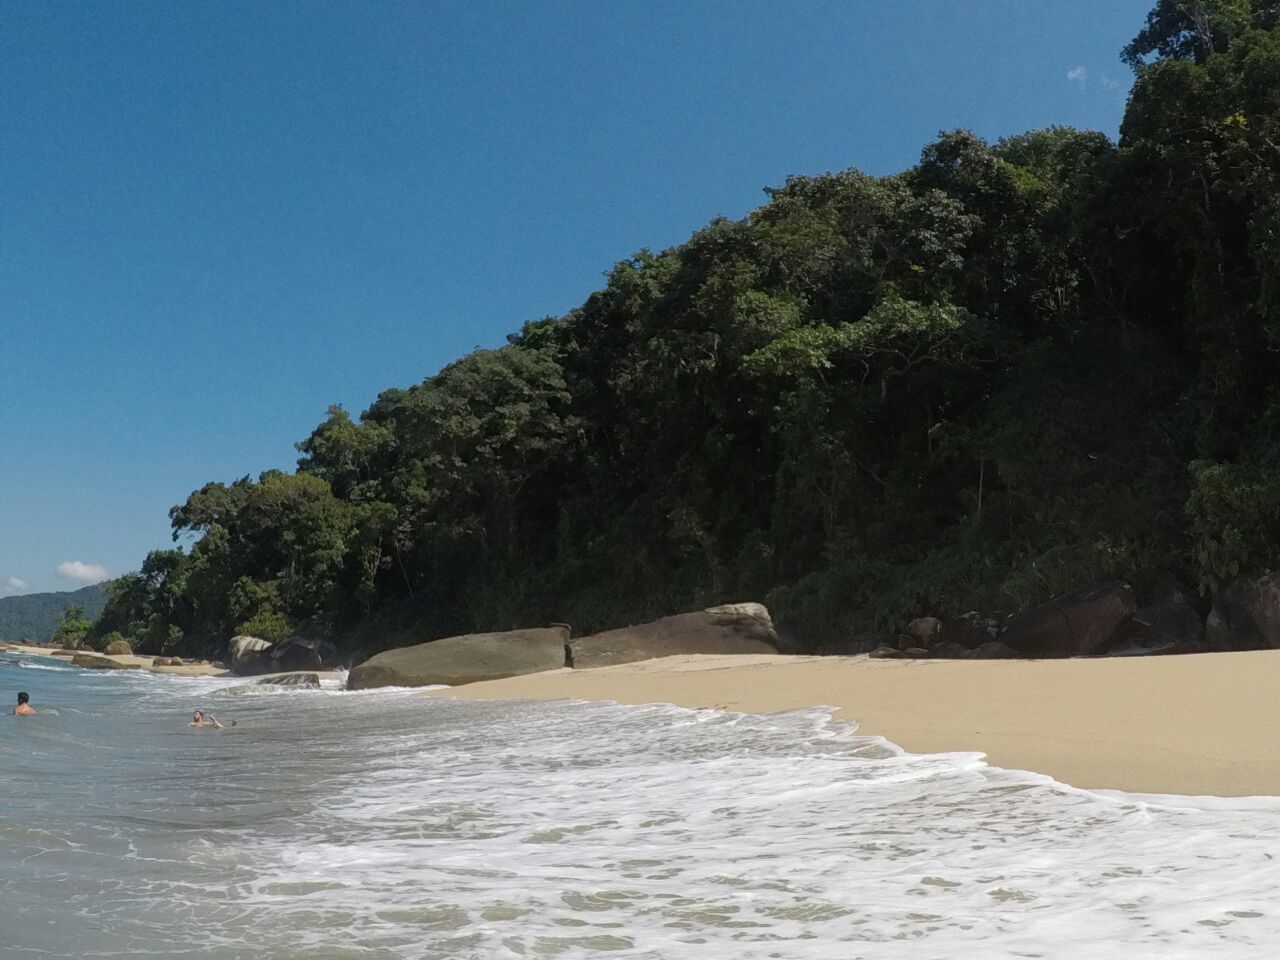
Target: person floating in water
24,708
198,719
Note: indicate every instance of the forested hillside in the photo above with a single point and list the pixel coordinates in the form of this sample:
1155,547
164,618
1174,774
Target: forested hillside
34,616
1011,369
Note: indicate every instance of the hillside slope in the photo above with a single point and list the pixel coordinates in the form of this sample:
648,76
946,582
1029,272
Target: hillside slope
35,615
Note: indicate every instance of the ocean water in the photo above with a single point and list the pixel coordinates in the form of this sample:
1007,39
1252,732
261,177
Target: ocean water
388,825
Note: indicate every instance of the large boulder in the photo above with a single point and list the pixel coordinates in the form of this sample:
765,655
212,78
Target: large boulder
921,632
94,662
299,654
1081,624
736,628
467,659
118,648
247,655
1172,623
1246,615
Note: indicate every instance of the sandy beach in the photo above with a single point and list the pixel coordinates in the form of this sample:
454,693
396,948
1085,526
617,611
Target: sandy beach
1197,725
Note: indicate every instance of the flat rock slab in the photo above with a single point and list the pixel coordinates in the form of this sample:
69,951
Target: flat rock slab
297,681
469,658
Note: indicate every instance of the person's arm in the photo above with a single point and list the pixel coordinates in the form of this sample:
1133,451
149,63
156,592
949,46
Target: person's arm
214,721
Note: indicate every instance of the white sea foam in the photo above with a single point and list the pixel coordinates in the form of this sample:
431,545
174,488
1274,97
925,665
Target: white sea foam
514,830
383,825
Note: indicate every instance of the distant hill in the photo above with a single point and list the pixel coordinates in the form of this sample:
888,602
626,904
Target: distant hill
36,615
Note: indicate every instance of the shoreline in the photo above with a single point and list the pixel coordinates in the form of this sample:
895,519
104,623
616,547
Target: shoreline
1196,724
143,662
130,660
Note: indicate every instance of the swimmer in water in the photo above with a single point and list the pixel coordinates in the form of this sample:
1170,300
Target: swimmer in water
24,708
198,719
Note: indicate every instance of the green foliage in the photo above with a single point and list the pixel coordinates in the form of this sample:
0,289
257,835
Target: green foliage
1235,521
268,625
971,385
72,628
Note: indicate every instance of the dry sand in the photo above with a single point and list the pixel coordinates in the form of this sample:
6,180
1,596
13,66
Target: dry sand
1204,724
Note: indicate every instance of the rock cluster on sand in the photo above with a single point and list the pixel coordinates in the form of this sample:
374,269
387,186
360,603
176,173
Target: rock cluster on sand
1246,615
1102,619
738,628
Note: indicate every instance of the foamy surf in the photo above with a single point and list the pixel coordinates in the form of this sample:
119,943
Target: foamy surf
391,825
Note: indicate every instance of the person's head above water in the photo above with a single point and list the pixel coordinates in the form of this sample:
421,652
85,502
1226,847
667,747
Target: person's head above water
197,716
24,697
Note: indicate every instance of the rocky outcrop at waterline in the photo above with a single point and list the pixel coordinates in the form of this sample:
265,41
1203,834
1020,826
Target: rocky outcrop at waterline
92,661
245,655
464,659
253,656
738,628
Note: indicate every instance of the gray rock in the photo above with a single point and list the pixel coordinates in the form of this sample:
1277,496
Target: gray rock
1171,620
296,653
993,650
924,630
915,653
1246,615
247,655
466,659
888,653
739,628
307,681
1081,624
118,648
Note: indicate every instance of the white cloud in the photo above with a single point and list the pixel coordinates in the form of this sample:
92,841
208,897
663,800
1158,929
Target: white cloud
1077,75
12,587
83,572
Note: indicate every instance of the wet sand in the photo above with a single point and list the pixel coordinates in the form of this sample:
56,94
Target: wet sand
1204,724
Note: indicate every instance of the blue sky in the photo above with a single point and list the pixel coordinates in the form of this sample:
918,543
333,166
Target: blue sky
217,218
